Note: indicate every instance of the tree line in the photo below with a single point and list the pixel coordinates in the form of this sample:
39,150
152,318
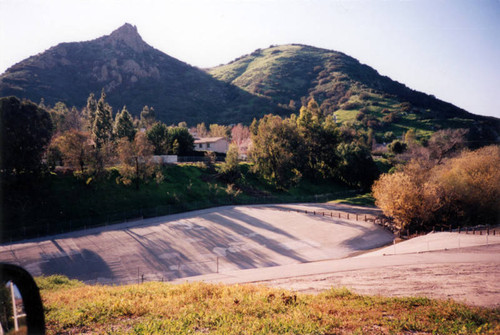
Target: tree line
433,182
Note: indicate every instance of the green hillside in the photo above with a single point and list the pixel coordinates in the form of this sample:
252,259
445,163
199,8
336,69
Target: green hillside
289,75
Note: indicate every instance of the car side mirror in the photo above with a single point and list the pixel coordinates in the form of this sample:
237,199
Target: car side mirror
21,308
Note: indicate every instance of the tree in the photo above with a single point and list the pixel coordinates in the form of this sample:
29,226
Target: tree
148,117
201,130
217,130
26,130
240,136
64,119
444,143
90,111
319,139
159,138
275,151
356,166
124,126
397,147
102,127
230,168
135,158
75,148
184,140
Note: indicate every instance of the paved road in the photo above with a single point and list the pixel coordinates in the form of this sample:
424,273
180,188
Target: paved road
202,242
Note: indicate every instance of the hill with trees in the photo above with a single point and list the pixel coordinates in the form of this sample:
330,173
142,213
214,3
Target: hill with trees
277,80
291,75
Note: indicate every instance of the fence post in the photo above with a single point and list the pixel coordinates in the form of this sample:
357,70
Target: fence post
365,217
356,217
217,264
347,216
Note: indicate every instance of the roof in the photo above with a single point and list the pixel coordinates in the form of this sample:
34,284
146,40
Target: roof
208,140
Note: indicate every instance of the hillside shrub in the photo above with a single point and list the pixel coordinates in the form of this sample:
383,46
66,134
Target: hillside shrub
464,190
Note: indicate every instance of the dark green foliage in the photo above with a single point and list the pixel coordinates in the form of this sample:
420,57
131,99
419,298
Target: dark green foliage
397,147
147,117
64,119
277,151
311,145
124,126
90,111
356,167
26,130
181,141
102,126
158,136
230,170
6,311
170,140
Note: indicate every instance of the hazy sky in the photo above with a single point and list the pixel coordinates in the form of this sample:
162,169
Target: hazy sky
449,48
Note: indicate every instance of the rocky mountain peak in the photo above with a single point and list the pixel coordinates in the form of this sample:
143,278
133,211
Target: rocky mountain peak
129,35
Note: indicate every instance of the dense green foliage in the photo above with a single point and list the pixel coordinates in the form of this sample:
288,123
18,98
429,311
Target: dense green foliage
310,145
25,131
124,126
162,308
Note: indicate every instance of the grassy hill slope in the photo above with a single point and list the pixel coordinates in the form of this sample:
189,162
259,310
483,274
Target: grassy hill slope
288,75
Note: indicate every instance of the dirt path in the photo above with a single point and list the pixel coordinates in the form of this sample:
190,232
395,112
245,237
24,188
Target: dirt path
475,283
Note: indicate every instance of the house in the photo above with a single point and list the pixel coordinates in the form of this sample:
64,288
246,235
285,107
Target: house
216,144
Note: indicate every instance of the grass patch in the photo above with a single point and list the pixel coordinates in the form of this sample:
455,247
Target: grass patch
162,308
366,200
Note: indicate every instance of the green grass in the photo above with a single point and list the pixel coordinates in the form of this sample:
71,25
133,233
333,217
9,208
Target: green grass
200,308
366,200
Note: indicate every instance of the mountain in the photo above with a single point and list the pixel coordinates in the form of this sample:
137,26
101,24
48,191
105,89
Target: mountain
289,75
134,74
275,80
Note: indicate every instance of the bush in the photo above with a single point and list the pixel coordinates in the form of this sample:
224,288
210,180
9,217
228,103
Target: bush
461,191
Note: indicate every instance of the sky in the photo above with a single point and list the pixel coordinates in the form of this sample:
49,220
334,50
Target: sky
448,48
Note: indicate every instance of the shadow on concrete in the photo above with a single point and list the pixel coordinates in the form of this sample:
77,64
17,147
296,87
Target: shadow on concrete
85,265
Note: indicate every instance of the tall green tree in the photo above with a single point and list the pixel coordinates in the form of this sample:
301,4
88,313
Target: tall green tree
230,170
90,111
102,127
147,117
159,137
124,125
276,149
184,140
